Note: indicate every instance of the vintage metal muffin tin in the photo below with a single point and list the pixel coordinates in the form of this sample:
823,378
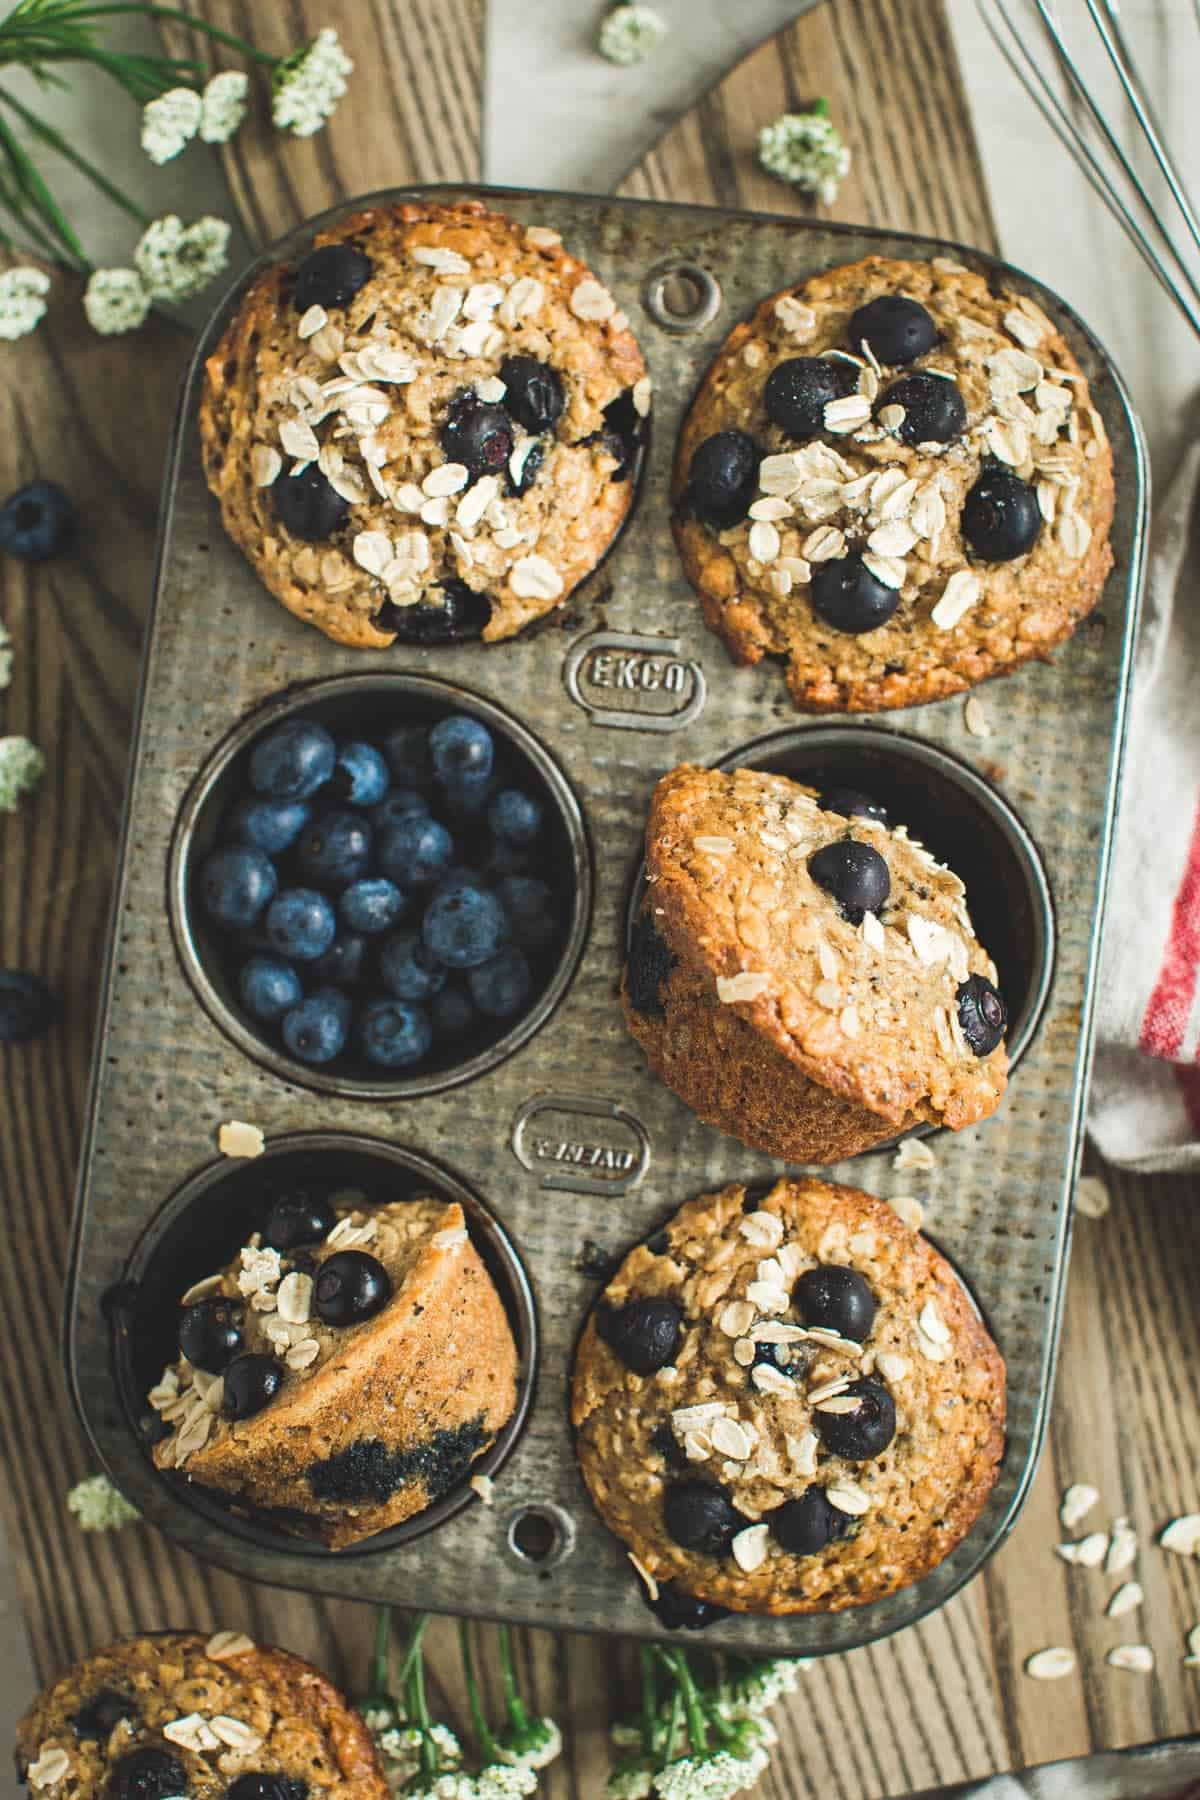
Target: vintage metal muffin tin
570,1145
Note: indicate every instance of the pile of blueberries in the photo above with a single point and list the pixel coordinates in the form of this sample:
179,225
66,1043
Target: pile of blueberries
1000,519
374,900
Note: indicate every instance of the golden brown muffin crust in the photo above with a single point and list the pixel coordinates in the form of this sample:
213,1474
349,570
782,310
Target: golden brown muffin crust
731,1265
1027,405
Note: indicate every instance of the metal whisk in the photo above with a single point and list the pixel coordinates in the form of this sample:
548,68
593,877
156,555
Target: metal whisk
1030,36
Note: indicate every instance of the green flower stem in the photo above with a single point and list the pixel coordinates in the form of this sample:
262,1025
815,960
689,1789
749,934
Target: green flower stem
672,1727
412,1650
488,1748
693,1708
518,1718
182,18
416,1706
28,190
57,142
649,1697
382,1655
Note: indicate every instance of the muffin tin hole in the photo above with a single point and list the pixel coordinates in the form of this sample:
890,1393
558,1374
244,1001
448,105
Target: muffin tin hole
202,1226
682,297
540,1536
367,707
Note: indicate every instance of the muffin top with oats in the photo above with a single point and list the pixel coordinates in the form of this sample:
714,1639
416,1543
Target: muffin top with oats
787,1403
894,478
427,429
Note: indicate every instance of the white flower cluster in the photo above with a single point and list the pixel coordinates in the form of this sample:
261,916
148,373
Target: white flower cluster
170,122
535,1749
172,262
630,32
97,1504
307,86
115,301
21,768
807,150
716,1777
22,301
499,1781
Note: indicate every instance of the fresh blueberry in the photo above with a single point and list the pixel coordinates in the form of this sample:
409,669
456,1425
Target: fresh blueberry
804,1526
458,615
307,506
293,760
464,925
799,390
406,968
645,1334
982,1014
527,460
501,987
833,1298
361,775
723,479
269,987
251,1382
372,905
394,1033
344,964
147,1774
210,1334
851,804
331,276
477,434
461,747
400,803
300,923
271,826
26,1006
407,752
505,858
515,815
267,1787
334,849
350,1287
298,1218
650,963
680,1611
699,1515
99,1717
315,1031
854,874
236,884
1001,518
847,596
934,412
894,328
529,908
533,393
415,852
861,1435
451,1013
36,522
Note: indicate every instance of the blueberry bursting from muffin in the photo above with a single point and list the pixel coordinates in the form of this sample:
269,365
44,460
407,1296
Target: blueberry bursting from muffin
1000,517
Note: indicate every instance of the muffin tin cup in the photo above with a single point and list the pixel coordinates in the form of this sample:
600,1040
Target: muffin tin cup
202,1226
372,704
571,1142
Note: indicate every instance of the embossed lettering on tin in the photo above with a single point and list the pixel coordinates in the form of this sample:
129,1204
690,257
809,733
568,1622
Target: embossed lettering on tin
584,1145
634,683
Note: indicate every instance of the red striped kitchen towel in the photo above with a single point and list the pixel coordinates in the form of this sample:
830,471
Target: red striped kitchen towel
1145,1107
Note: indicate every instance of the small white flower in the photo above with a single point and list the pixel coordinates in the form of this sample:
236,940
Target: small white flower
634,1782
176,260
22,302
224,101
98,1506
307,85
806,149
115,301
170,123
630,32
21,767
505,1781
5,658
542,1744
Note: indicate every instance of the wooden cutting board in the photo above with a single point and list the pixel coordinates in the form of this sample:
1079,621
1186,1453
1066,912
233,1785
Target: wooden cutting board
945,1700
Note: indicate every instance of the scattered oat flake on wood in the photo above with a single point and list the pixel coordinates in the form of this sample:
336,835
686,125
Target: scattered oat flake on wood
975,717
1122,1550
1091,1197
1050,1664
1077,1502
1127,1598
236,1138
1192,1659
1137,1658
1182,1535
1088,1553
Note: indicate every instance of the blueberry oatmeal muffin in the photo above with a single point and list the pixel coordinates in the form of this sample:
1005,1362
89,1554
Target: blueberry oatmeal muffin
426,430
894,477
786,1404
193,1718
344,1371
805,975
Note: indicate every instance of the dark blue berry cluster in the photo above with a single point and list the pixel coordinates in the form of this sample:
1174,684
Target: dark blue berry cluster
375,900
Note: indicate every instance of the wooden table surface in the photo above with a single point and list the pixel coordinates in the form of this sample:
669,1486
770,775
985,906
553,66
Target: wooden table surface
946,1699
